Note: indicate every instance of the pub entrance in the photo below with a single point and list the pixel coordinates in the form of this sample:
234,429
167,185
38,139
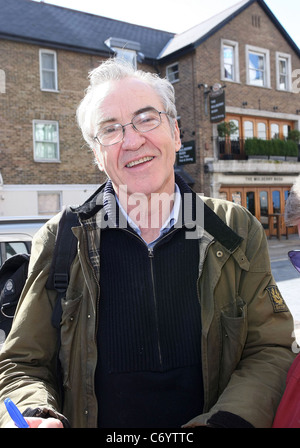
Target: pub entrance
265,202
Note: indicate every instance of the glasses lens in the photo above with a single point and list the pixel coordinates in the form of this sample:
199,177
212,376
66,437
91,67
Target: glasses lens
110,135
146,121
295,258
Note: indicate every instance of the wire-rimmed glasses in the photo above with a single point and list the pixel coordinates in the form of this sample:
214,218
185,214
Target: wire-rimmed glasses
144,121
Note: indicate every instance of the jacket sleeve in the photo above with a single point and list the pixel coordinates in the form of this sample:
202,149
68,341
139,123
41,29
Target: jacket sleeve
256,371
28,357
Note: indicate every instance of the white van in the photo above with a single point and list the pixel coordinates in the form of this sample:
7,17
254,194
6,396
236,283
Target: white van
16,234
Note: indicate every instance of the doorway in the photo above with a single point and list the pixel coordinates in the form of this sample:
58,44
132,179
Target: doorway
264,202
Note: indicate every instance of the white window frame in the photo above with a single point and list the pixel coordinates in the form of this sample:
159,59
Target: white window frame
37,159
171,78
53,53
236,66
266,53
288,59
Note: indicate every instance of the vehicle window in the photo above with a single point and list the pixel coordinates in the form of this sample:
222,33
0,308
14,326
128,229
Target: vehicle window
15,247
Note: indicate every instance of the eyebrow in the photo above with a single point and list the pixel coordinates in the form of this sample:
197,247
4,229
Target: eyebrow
137,112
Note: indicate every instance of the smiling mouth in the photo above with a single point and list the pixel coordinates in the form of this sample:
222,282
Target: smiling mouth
139,161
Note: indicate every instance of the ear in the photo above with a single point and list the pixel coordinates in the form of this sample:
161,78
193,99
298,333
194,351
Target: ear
98,159
177,137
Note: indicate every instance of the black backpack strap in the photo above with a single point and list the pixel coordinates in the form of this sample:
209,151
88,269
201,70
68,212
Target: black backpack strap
64,253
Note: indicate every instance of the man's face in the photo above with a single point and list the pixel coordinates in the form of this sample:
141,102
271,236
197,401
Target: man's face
154,174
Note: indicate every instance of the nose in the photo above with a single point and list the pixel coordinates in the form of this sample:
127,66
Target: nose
132,139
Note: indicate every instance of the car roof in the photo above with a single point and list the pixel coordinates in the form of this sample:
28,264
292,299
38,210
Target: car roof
20,228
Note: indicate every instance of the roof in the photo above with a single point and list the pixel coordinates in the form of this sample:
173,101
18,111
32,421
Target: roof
54,26
45,24
193,37
194,34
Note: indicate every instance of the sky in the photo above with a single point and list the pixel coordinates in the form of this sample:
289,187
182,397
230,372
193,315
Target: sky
177,16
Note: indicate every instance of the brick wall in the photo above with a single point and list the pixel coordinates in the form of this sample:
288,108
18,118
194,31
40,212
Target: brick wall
203,66
24,102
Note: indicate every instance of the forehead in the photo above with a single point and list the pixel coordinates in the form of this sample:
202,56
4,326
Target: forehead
127,96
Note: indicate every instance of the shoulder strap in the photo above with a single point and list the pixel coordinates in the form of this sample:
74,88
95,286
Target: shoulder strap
64,253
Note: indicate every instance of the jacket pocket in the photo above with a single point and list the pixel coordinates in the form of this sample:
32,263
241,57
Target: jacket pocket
234,333
70,340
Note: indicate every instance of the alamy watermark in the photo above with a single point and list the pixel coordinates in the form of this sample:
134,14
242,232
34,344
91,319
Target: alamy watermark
2,81
147,212
296,82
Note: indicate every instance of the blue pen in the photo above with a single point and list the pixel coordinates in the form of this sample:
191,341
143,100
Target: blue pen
15,414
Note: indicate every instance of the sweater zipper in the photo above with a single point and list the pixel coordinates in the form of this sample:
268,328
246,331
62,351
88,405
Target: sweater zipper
151,257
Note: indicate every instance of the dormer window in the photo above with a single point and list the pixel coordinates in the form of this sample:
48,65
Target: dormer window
125,49
126,55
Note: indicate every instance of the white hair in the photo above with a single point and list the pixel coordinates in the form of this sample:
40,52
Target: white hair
115,70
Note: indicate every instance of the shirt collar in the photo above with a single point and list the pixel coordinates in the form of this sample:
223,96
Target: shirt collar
170,221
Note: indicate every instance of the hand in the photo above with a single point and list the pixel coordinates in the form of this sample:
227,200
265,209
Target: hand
37,422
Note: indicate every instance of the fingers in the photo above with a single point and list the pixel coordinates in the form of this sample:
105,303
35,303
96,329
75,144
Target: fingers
36,422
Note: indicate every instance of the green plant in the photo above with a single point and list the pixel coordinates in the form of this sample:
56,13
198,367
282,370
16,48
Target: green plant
294,135
226,128
275,147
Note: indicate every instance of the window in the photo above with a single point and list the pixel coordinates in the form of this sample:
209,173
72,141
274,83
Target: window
127,55
49,203
230,61
258,66
248,129
285,131
45,141
173,72
283,71
48,70
236,134
276,201
262,130
250,201
264,208
236,197
274,130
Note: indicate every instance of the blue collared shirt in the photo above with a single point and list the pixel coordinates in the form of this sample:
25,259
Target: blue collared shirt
170,221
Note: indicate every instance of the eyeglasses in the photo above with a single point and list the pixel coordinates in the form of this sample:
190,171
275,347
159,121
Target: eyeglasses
143,122
294,256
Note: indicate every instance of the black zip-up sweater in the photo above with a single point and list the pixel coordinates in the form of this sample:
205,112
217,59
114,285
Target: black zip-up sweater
149,336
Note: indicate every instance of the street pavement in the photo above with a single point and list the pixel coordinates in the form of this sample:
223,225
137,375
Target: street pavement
286,276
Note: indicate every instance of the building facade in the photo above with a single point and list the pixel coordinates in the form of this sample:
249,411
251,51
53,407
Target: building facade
237,82
248,55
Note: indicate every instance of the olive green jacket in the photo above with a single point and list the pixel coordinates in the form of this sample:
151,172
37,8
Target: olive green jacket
246,326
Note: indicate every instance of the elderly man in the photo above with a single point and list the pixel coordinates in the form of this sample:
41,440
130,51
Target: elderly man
172,317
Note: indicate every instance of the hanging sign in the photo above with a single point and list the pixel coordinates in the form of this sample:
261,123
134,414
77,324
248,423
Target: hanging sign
187,153
217,104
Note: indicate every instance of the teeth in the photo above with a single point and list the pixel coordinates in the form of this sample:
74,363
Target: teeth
137,162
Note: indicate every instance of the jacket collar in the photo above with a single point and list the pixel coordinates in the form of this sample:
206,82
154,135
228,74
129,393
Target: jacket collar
210,221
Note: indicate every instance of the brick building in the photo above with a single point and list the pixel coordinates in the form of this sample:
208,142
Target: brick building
46,52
